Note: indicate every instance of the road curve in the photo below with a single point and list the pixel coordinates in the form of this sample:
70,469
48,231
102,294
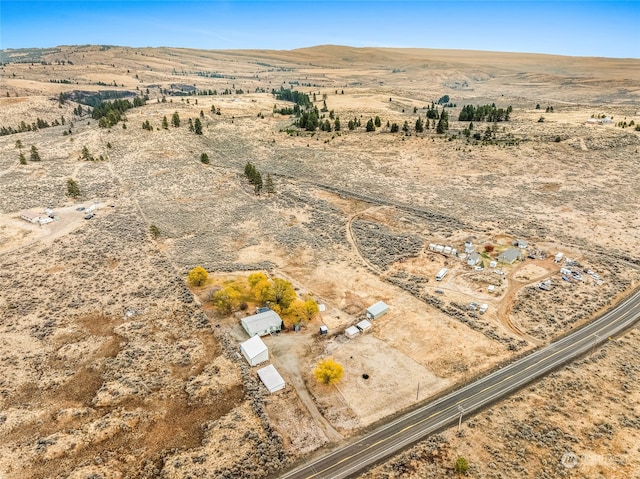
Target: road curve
390,438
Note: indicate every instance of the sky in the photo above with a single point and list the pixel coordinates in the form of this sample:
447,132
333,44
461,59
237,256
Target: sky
576,28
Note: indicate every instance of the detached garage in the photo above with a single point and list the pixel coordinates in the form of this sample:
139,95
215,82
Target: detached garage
271,378
377,310
255,351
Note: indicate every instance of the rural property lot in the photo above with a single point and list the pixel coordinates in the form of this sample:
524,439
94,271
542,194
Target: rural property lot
112,367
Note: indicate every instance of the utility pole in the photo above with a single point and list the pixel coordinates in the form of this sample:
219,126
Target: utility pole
460,420
418,391
595,343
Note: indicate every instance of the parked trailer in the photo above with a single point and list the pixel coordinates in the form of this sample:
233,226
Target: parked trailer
441,274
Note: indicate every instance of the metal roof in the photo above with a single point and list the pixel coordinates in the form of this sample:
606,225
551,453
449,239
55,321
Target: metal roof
378,308
253,346
271,378
261,322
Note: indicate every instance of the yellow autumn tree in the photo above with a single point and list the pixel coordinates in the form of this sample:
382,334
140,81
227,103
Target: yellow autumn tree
281,292
328,371
259,284
302,311
198,276
226,299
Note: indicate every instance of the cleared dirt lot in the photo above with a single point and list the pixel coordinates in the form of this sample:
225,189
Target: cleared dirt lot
109,365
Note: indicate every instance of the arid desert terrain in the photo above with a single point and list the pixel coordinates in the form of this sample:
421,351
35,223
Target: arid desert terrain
113,366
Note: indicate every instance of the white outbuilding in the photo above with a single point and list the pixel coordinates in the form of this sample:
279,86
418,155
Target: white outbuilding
364,325
271,378
351,332
262,324
255,351
377,310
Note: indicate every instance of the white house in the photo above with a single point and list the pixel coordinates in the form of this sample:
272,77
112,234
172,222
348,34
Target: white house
474,259
254,350
377,310
30,216
271,378
262,324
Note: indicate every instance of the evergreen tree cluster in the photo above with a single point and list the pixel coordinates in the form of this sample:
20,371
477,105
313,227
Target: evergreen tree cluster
309,120
484,113
287,110
39,124
108,113
353,124
299,98
432,112
255,178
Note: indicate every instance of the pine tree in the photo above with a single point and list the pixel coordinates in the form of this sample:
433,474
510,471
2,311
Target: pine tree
336,124
175,120
23,159
204,158
73,190
419,125
35,156
377,122
370,125
268,185
197,126
257,183
165,123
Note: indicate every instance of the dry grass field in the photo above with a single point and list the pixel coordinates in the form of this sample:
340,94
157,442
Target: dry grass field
112,367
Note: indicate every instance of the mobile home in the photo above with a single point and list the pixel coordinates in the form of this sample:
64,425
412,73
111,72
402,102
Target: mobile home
441,274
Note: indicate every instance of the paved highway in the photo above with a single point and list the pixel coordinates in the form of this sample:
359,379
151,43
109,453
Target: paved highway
396,435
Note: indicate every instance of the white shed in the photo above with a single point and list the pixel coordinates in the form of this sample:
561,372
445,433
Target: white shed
254,350
271,378
364,325
558,257
483,308
377,310
262,323
351,332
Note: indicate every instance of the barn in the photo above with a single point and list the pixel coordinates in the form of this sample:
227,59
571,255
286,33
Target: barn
377,310
262,324
271,378
254,350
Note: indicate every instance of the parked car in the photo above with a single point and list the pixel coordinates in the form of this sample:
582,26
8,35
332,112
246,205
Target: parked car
89,216
80,208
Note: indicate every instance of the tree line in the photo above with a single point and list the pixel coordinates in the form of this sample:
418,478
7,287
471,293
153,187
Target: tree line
484,113
109,113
